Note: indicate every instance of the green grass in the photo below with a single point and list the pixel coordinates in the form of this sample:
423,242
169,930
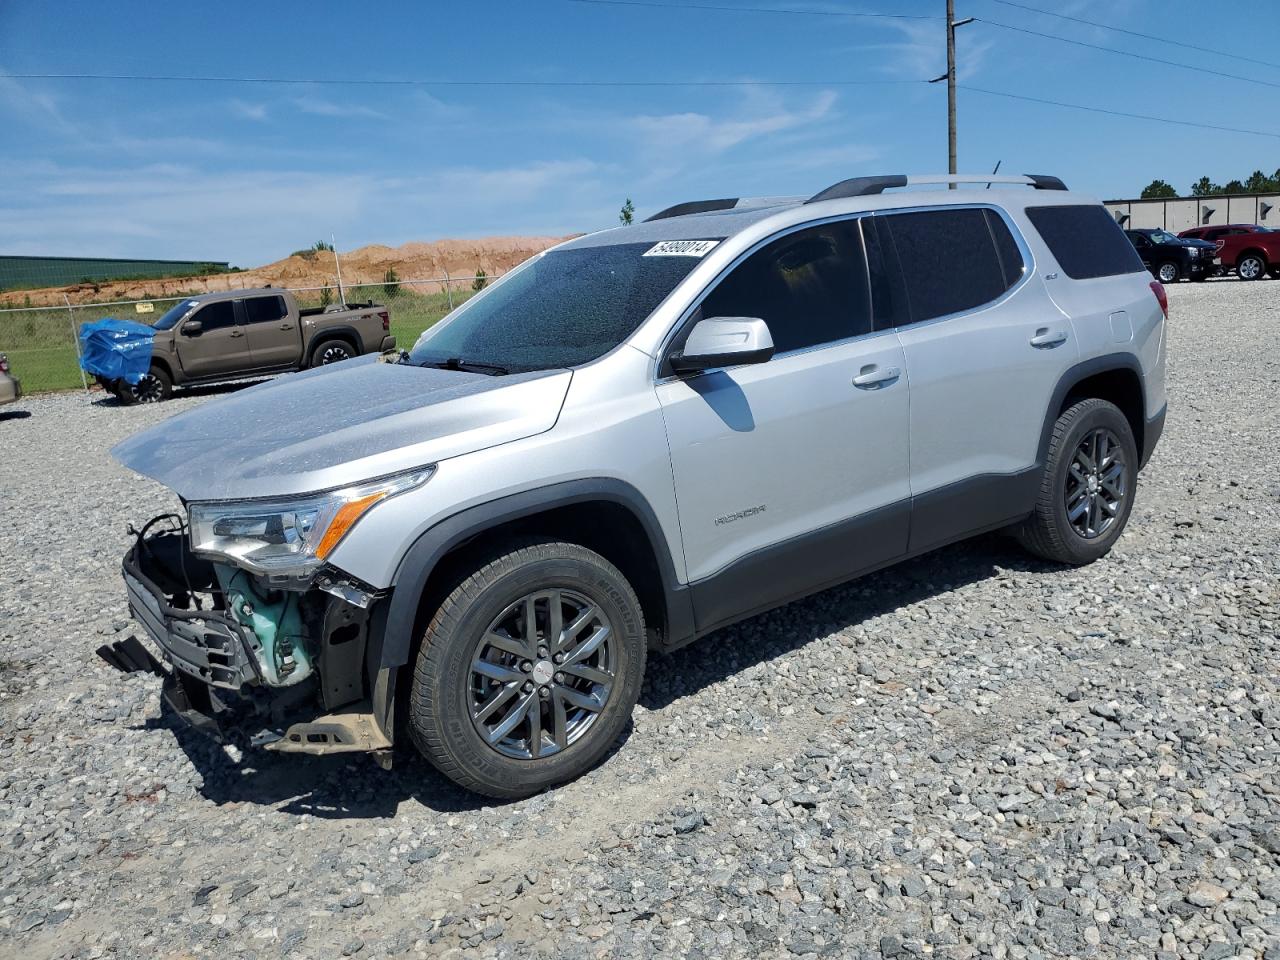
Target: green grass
42,351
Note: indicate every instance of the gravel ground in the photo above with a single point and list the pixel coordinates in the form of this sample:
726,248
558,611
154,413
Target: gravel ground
972,755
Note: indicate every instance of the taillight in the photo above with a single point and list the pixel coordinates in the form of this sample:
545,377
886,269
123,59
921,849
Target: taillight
1163,298
386,320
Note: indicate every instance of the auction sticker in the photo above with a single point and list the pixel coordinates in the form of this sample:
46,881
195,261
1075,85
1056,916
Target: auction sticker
681,248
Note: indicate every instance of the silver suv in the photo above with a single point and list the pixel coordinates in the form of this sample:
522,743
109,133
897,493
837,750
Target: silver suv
633,439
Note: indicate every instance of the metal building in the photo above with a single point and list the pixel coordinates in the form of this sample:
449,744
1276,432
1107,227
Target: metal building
17,273
1182,213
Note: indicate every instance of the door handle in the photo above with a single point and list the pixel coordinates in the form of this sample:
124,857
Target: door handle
1045,339
873,376
286,326
236,333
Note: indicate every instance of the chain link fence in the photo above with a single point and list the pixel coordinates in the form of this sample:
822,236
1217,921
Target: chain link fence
42,343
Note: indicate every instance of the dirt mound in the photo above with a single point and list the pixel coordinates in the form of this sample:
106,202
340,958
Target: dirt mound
455,259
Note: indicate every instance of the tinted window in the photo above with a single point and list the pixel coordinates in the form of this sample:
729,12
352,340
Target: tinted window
564,308
810,287
214,316
888,292
173,314
1006,247
1085,240
264,309
949,260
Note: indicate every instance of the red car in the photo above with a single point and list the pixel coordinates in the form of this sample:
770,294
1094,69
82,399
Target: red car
1249,250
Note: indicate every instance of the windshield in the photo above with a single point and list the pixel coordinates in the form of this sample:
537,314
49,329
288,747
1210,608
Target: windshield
173,315
562,309
1162,236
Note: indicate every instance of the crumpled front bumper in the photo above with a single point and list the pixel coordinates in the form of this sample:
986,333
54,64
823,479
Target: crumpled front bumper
204,644
214,681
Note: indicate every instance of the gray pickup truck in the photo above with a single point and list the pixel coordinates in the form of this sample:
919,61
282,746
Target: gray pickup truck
251,333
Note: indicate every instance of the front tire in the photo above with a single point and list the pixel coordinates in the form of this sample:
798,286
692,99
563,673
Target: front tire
1168,272
1251,267
529,670
1086,492
154,387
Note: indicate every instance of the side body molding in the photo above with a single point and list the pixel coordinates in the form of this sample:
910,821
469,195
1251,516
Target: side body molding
435,543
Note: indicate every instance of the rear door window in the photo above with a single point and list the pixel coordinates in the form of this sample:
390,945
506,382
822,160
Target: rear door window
809,286
950,260
1086,241
264,309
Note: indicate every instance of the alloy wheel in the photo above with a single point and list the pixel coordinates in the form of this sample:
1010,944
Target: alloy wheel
1168,273
334,353
147,390
1097,484
1250,268
542,673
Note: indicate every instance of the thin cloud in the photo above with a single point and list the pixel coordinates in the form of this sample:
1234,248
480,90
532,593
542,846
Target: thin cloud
704,134
921,54
43,109
318,107
254,216
249,111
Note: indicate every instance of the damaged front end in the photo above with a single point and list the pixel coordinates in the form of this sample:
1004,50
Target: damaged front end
282,659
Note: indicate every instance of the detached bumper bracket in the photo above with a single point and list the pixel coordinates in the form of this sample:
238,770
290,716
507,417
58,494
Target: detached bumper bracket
345,732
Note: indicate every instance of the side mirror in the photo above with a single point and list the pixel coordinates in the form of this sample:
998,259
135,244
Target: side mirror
192,328
724,342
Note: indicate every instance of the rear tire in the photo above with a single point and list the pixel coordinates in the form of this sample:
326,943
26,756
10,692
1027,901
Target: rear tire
1251,267
331,351
1086,493
505,700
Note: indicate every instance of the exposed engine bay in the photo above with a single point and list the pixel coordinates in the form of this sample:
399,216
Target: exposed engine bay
258,654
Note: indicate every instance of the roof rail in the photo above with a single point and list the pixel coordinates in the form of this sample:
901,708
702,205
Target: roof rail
867,186
694,206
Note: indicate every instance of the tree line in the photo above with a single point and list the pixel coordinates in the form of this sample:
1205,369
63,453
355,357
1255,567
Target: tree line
1258,182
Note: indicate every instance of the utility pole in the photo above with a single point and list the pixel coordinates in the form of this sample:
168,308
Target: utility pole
950,77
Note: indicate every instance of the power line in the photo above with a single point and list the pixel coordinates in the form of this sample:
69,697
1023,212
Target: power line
784,10
1127,53
357,81
1118,113
1135,33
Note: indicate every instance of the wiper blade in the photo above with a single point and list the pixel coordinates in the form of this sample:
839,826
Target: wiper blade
470,366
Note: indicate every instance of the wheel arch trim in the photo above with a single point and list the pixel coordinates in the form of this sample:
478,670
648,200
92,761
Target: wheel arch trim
342,332
1077,374
425,554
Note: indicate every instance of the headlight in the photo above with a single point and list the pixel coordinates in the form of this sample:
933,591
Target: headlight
291,535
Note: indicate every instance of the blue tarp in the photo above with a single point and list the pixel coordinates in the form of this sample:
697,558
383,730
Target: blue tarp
116,349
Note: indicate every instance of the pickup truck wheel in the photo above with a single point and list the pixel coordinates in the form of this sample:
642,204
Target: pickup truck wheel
1086,492
154,386
331,351
1168,272
1251,267
529,670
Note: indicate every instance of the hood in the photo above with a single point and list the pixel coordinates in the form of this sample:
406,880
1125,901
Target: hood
334,426
1197,242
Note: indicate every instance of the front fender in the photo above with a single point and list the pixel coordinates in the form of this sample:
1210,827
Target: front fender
427,551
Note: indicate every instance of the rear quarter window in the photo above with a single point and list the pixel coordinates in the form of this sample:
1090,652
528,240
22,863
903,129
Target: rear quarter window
1086,242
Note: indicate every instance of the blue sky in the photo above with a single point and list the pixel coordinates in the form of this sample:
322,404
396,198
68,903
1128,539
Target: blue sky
249,172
